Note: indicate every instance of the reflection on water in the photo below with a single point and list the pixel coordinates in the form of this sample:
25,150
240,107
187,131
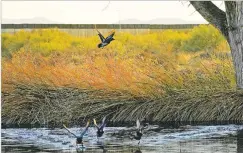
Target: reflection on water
194,139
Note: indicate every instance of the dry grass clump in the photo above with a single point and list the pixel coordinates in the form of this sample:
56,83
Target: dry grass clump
45,105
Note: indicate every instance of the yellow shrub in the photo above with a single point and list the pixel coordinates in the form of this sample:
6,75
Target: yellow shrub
203,38
144,64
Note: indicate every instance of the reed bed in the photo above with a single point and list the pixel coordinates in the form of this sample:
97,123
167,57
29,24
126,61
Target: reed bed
55,106
51,77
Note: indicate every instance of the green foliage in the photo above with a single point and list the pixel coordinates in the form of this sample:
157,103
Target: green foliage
202,38
12,43
42,41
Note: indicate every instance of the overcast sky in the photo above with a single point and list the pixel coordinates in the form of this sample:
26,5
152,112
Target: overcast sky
90,12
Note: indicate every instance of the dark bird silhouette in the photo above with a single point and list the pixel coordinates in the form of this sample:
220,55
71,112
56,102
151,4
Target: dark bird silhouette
100,128
105,41
139,132
79,139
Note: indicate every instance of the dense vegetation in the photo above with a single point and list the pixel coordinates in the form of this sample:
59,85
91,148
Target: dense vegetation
158,68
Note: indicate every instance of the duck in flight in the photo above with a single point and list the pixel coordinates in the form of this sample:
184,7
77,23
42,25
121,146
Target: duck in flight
105,41
79,139
100,128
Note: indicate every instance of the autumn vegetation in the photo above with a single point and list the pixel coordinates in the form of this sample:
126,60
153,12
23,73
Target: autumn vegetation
170,75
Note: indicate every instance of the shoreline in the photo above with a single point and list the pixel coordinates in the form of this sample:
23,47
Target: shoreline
173,125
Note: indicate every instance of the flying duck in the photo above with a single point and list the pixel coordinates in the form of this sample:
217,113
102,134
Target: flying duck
79,139
105,41
100,128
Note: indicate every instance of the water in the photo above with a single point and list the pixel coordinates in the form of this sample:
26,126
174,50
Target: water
189,139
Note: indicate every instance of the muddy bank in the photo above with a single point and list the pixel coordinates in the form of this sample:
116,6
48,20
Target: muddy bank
43,105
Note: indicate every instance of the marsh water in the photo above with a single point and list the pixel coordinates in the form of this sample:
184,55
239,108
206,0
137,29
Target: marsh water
186,139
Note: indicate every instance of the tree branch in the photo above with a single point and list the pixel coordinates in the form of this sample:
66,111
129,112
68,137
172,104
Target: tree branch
106,6
212,14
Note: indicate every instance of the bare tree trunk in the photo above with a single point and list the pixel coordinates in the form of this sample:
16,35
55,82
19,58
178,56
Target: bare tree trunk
234,15
230,23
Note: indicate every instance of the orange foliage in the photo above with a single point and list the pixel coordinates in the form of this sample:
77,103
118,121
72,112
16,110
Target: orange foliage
146,64
97,72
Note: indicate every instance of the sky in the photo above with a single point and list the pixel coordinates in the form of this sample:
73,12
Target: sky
96,12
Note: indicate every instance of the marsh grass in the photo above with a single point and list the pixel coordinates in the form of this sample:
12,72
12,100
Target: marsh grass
55,106
49,77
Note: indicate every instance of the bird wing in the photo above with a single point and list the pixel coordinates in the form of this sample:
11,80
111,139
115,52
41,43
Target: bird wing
69,130
138,124
110,36
102,38
85,130
103,124
103,120
96,124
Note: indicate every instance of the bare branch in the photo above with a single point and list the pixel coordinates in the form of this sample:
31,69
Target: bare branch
106,6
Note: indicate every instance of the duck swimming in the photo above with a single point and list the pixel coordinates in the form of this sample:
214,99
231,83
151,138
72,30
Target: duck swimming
105,41
139,132
79,139
100,128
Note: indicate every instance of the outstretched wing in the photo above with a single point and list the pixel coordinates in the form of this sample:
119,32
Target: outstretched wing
102,38
103,124
68,130
96,124
138,124
110,36
85,130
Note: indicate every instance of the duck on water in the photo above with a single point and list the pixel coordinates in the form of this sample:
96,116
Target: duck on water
100,131
139,131
79,139
100,128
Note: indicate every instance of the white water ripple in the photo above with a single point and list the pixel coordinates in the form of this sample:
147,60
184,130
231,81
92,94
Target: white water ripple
59,139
